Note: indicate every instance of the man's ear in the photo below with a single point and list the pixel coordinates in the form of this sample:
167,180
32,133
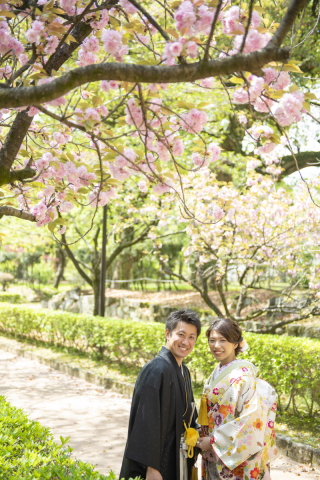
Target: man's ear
167,334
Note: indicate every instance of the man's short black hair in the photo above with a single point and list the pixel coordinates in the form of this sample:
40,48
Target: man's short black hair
187,316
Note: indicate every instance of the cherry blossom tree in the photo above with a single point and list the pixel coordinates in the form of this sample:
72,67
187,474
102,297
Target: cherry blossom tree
88,96
253,234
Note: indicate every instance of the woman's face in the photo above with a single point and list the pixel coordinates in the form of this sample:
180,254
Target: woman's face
221,349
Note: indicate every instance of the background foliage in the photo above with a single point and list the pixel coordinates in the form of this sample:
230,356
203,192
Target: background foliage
291,365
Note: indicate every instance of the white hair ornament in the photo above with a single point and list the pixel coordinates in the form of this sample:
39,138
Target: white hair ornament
243,346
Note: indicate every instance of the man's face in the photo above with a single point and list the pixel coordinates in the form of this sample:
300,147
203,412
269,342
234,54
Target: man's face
182,340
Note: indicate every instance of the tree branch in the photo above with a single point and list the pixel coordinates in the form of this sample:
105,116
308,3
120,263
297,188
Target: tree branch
304,159
17,97
286,23
151,19
75,261
124,245
22,122
14,212
203,294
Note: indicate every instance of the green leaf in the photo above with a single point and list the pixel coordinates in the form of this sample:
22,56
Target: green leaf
289,67
236,80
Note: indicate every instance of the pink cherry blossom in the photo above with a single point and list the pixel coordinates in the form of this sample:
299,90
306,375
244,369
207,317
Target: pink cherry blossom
194,120
52,43
7,42
198,160
256,87
66,207
207,82
289,108
240,96
104,110
255,19
128,7
231,19
252,164
33,111
214,152
203,25
254,41
192,49
48,191
282,81
178,147
270,74
68,6
102,22
105,85
33,34
163,152
124,50
160,188
184,16
217,212
155,104
112,41
261,131
243,119
23,58
62,230
133,113
143,186
92,114
171,50
61,138
266,148
263,104
119,173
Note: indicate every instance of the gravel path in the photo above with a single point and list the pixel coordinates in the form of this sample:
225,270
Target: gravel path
95,419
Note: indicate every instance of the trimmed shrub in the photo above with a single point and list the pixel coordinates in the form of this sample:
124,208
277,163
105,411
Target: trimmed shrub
290,364
28,451
10,297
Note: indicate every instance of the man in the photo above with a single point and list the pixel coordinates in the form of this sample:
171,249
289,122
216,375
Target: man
161,402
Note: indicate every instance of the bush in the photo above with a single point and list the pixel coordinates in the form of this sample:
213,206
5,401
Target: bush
28,451
290,364
10,297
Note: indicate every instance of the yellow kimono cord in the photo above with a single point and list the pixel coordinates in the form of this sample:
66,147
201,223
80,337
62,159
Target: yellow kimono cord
203,414
191,439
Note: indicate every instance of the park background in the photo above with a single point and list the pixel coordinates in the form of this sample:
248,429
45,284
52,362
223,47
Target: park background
223,216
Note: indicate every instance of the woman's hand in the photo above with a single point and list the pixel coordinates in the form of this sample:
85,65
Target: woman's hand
204,443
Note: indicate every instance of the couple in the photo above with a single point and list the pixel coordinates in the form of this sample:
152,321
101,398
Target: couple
236,418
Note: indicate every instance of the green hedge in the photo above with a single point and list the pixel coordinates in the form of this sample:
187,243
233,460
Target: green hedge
10,297
290,364
28,451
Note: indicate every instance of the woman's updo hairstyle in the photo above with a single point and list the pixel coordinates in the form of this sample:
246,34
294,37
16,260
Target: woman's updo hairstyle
229,329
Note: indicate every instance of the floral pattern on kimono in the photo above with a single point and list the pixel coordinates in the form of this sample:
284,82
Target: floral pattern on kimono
241,420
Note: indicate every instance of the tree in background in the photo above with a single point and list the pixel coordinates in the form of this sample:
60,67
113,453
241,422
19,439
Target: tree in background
255,235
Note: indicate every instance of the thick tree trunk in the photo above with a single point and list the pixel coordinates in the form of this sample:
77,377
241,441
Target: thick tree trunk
61,266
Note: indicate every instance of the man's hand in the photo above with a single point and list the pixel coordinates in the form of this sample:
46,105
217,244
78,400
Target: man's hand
204,444
153,474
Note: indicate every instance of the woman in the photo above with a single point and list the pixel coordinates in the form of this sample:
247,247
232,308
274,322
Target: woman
237,434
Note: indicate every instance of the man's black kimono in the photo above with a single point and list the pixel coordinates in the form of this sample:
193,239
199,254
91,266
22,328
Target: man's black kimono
156,419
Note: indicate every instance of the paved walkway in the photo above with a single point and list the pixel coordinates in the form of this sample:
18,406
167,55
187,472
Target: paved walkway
95,419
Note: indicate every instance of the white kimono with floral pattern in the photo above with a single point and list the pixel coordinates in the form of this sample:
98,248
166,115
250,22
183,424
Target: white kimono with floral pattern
241,412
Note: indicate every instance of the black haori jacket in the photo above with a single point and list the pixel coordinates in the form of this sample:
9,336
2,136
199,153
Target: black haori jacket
156,419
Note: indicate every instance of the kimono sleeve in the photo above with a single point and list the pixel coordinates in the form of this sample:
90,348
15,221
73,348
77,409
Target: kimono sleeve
242,432
148,424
